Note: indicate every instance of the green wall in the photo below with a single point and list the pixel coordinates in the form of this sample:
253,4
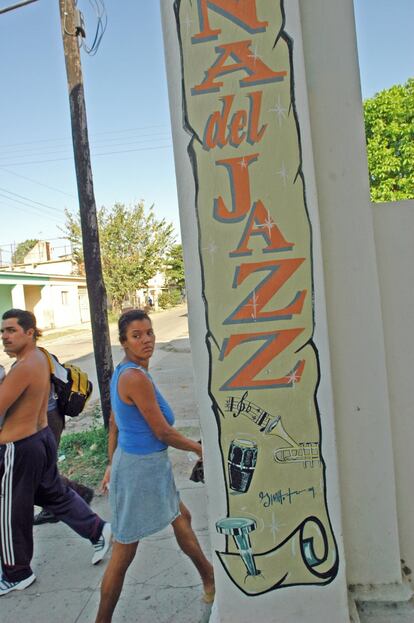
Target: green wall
5,298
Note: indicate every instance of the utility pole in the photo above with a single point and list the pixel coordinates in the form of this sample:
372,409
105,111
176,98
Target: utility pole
72,28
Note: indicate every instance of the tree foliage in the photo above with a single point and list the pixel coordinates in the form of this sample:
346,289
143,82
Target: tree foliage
174,272
22,249
389,123
134,247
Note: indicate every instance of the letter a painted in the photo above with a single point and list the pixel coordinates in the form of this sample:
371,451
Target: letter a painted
244,60
241,12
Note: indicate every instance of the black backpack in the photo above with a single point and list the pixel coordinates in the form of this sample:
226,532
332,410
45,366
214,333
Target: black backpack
72,386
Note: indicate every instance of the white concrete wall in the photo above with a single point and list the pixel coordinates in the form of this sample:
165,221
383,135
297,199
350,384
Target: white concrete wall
18,296
69,313
48,315
33,301
59,267
359,374
394,232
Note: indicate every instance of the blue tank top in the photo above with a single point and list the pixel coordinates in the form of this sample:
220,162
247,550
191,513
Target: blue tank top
134,434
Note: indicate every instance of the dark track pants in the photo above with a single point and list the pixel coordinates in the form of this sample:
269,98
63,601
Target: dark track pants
28,476
56,423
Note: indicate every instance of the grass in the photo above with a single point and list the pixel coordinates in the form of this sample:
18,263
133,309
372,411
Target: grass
85,455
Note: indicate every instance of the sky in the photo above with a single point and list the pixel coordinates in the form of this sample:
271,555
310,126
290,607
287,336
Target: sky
127,108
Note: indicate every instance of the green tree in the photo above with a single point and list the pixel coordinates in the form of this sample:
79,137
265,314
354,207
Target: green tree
174,272
22,249
389,123
134,247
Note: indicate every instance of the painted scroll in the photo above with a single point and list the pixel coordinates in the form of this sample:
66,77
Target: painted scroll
255,244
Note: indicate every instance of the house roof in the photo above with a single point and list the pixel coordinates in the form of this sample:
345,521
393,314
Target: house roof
10,277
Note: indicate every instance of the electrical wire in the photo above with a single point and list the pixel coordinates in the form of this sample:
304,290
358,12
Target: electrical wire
102,22
99,144
109,153
29,208
38,203
92,136
30,179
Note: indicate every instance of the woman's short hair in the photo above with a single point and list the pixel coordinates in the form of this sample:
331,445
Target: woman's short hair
26,319
126,319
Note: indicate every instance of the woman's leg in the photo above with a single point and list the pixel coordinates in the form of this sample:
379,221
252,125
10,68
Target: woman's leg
113,579
189,544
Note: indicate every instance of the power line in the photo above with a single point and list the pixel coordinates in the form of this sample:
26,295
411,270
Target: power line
31,209
16,6
45,150
102,23
110,153
43,205
30,179
68,138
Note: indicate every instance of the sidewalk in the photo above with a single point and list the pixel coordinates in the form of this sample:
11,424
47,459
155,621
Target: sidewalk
162,586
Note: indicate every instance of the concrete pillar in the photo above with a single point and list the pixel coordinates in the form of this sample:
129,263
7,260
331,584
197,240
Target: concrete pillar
257,309
352,295
393,227
18,297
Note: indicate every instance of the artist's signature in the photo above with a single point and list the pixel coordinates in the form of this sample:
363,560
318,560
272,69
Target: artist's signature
279,497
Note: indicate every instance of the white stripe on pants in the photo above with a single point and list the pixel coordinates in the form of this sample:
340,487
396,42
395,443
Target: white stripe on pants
6,536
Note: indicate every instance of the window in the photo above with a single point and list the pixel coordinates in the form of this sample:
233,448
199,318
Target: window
65,297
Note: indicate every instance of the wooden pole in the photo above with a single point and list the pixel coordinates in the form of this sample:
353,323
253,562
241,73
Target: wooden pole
87,205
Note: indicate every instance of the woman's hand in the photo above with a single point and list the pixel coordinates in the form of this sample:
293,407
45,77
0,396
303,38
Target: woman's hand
106,480
198,450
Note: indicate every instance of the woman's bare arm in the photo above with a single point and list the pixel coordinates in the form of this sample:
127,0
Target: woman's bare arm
136,388
112,444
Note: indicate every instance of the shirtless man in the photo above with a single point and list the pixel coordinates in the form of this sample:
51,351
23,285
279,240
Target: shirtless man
28,472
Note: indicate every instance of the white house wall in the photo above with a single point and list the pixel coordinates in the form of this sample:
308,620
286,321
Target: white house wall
45,297
65,313
393,230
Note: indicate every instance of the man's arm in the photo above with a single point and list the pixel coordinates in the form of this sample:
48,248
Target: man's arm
12,388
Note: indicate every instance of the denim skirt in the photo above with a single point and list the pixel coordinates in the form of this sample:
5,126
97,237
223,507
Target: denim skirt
142,495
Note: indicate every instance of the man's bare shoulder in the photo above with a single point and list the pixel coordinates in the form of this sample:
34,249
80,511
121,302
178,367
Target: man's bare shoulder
33,363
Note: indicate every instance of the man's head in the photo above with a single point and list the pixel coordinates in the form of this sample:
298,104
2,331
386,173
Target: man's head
18,331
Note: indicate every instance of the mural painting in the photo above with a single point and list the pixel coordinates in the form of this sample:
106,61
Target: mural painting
255,245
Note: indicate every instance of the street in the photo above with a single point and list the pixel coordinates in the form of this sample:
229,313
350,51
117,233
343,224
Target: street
76,346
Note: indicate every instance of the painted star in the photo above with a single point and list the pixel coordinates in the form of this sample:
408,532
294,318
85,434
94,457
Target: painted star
187,22
268,224
255,55
274,526
280,111
293,377
211,249
253,304
283,173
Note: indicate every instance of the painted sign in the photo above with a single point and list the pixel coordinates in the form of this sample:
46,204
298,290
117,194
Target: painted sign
255,245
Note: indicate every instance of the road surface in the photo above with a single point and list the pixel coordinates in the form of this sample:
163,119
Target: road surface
76,346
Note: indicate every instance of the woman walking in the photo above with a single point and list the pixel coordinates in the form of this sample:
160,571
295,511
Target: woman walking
142,492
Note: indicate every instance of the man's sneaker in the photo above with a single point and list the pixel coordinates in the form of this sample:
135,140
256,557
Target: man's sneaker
103,544
44,517
7,587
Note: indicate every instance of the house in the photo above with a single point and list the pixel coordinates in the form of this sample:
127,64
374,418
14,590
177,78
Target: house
56,300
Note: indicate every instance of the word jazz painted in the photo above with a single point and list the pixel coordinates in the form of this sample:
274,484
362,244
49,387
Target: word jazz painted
255,250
